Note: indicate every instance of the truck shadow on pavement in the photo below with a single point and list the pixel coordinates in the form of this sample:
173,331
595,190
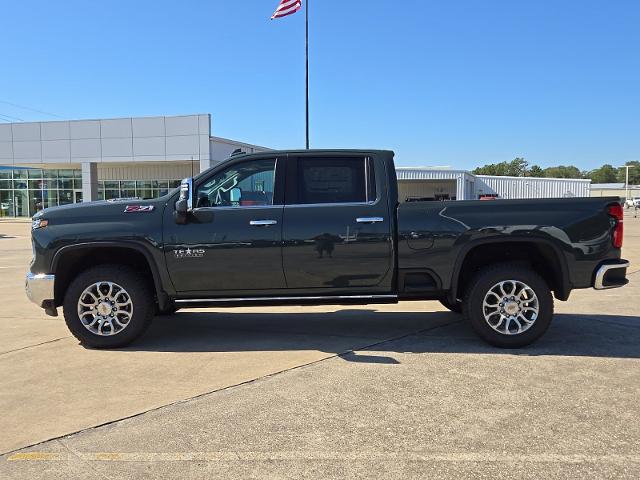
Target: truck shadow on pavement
377,331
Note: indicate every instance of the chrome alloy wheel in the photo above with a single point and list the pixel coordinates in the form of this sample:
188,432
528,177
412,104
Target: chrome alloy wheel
510,307
105,308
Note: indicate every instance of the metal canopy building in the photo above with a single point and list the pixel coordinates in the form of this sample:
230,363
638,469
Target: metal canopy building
445,184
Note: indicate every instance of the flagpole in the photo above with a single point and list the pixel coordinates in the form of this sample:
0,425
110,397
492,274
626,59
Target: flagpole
307,68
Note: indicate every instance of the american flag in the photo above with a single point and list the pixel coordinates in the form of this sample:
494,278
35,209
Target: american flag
287,7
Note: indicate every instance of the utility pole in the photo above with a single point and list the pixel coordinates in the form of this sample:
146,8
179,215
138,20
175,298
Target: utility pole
626,183
307,70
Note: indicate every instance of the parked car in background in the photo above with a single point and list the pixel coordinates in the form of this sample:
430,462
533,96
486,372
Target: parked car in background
488,196
632,202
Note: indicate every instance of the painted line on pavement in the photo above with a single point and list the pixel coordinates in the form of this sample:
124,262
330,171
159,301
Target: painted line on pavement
502,457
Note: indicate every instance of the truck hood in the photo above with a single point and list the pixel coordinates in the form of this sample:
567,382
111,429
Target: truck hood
88,212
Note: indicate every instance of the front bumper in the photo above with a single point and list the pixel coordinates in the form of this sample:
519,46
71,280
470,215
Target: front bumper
39,288
611,275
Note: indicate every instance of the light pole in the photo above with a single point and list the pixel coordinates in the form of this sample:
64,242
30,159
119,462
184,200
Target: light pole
626,183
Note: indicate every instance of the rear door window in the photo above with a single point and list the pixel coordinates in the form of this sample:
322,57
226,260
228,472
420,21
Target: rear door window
334,180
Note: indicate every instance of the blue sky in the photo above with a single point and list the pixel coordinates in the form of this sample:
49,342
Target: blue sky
458,83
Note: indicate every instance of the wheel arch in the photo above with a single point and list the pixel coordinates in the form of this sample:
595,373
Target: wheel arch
543,255
70,260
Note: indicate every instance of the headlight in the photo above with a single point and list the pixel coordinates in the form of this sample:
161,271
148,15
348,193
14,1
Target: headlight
37,223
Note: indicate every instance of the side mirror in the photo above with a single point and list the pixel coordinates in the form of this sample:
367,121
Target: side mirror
235,194
185,203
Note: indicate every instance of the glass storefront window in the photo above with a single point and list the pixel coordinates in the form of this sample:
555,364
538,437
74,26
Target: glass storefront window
20,184
111,193
35,185
33,189
35,200
65,197
6,204
50,198
66,183
24,191
145,193
125,193
47,183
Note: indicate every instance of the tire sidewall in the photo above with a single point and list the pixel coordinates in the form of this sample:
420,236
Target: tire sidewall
455,307
486,279
136,287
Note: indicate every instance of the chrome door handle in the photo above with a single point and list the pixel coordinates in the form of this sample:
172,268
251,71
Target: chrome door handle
369,219
262,223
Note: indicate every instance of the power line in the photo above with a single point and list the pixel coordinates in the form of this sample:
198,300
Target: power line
9,118
29,108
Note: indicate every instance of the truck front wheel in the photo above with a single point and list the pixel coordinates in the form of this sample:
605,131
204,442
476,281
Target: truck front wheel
108,306
508,306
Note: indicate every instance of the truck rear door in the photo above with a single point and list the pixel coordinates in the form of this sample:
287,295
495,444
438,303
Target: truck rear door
336,224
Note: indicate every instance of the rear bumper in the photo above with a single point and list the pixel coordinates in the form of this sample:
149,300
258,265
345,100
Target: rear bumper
611,275
39,288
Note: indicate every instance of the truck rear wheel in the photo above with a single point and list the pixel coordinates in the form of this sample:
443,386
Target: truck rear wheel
508,306
108,306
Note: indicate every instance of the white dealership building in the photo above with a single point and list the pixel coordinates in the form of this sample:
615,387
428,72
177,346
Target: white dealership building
44,164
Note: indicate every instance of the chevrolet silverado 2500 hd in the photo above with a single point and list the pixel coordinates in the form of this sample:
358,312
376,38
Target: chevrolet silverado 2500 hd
312,227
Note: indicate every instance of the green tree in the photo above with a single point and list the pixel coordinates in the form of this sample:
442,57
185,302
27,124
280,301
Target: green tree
634,173
492,169
605,174
515,168
535,171
518,167
563,171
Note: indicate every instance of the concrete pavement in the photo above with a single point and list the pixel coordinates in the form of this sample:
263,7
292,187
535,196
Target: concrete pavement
420,396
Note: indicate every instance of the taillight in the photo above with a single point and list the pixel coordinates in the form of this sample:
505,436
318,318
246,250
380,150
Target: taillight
615,210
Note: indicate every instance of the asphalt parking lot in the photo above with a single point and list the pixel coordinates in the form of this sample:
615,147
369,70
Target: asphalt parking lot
383,391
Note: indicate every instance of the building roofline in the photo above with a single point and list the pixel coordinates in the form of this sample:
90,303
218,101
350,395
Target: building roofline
99,119
236,142
535,178
432,169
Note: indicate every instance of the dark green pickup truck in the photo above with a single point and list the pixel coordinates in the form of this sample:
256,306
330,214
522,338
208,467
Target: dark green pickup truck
318,226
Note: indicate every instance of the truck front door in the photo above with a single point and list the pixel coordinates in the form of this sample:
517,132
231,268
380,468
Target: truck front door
337,226
232,241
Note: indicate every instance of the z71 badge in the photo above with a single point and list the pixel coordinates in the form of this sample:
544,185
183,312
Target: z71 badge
189,253
138,208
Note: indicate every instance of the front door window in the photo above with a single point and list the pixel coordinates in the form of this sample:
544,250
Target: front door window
247,184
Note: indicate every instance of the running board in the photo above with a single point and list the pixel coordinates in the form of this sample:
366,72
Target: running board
311,300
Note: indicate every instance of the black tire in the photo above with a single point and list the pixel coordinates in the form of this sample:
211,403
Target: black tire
138,291
482,283
454,307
